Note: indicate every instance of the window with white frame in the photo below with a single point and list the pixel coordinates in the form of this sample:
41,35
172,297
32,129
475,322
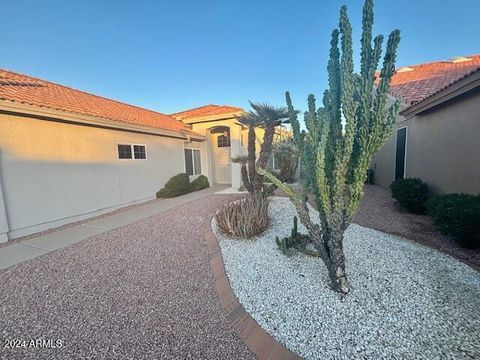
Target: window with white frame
129,151
193,164
139,152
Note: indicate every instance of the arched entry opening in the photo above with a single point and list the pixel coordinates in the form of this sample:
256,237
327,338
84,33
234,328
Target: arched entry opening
220,146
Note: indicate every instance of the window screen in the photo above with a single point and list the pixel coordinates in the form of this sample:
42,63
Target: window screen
124,151
139,152
188,162
196,162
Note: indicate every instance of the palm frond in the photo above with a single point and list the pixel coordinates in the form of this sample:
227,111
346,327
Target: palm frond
270,114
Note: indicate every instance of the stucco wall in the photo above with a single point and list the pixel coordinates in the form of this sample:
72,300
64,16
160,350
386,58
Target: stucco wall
55,173
236,148
443,148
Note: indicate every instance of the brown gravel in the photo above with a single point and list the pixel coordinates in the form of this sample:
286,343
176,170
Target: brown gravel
379,211
140,291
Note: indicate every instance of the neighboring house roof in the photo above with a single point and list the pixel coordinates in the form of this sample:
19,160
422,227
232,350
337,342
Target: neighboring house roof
32,91
206,111
415,83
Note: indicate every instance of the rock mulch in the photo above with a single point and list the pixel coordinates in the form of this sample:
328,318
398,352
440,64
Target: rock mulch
378,211
407,301
142,291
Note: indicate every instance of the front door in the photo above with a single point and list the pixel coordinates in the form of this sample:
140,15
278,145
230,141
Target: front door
221,152
400,153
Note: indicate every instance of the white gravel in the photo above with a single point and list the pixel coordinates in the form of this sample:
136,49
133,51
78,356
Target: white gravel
406,301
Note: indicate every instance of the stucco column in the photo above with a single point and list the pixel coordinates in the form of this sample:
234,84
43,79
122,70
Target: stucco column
209,163
4,229
235,150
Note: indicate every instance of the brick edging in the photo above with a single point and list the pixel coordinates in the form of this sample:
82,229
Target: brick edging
258,341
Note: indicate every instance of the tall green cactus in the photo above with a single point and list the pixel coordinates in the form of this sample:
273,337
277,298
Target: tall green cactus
342,137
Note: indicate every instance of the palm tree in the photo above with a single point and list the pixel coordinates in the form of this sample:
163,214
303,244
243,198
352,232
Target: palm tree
267,117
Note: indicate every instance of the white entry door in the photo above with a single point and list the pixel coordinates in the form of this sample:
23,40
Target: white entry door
222,167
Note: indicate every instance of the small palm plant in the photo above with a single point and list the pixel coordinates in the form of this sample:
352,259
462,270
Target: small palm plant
343,136
268,117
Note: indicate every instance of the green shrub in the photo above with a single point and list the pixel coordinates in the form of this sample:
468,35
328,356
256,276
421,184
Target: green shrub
457,215
176,186
411,194
200,183
245,217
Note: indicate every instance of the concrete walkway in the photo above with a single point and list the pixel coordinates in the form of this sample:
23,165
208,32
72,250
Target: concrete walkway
20,251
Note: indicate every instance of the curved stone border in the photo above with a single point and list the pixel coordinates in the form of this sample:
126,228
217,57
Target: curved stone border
258,341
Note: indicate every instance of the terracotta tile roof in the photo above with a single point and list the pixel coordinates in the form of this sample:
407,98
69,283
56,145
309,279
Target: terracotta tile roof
32,91
207,110
414,83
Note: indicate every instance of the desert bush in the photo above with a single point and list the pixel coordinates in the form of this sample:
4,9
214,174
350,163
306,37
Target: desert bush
176,186
457,215
200,183
245,217
411,194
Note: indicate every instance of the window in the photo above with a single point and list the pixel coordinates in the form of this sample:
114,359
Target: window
188,162
400,153
223,140
124,151
127,151
196,162
139,152
193,164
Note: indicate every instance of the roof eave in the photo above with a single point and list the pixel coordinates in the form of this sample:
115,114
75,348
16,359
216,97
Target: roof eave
72,117
217,117
453,90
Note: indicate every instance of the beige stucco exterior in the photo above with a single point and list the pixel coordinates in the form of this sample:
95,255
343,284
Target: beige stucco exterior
58,167
215,157
443,147
52,172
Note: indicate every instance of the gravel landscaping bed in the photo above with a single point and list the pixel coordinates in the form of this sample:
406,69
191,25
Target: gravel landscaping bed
406,301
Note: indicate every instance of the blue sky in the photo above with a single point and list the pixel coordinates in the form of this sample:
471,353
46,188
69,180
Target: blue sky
173,55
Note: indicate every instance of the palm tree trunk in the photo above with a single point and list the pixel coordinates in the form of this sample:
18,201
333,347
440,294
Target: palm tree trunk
252,173
265,152
246,181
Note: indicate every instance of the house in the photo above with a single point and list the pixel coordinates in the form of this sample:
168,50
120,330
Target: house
437,136
67,155
225,139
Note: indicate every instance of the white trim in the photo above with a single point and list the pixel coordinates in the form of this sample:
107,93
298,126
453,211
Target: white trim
132,151
404,154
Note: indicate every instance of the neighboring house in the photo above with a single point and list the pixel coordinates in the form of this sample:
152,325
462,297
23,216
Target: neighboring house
437,137
66,155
